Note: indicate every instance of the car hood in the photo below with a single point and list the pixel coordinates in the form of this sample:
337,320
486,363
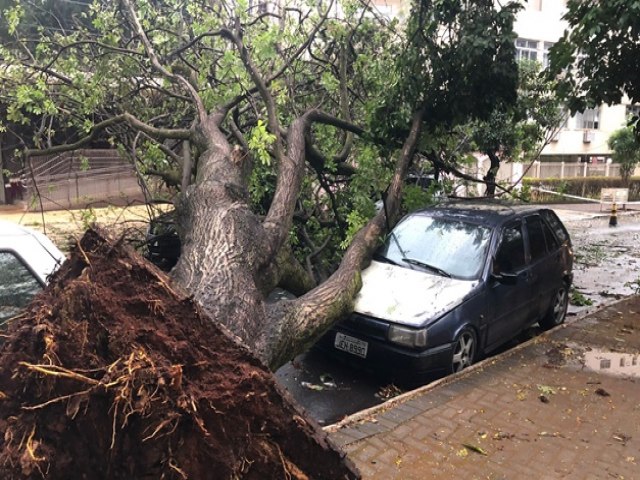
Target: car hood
409,297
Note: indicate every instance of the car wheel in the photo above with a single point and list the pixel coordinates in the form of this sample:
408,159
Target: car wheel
464,350
557,310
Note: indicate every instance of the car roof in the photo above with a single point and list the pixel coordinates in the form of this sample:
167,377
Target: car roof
481,212
34,248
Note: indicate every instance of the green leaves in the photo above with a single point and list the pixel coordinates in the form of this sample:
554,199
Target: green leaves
458,61
259,141
30,99
13,16
596,58
626,151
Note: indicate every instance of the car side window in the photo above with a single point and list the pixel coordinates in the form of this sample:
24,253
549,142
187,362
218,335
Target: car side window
510,256
17,286
537,243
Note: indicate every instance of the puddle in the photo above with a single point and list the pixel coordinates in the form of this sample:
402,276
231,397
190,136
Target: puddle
596,360
612,363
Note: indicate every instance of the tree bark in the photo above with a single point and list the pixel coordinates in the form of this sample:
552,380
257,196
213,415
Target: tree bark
3,199
231,258
490,177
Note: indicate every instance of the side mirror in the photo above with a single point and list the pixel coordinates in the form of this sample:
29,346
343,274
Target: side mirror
502,277
505,278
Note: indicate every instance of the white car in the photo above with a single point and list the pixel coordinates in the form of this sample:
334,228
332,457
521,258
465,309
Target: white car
27,258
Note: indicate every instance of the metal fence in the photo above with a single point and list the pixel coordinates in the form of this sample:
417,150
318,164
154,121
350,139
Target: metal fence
80,179
512,173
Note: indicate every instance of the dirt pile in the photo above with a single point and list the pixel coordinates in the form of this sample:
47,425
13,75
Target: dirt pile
112,374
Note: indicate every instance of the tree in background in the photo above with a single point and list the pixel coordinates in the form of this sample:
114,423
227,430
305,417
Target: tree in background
626,151
598,56
522,130
259,115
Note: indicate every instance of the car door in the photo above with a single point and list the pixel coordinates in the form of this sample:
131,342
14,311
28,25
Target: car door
545,263
509,302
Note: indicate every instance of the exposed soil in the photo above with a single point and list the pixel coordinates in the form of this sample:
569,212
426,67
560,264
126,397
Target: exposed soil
114,374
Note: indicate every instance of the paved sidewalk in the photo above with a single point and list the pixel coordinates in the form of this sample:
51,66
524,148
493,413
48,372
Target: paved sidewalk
564,405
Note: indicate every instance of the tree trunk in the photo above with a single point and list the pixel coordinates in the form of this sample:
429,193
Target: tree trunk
3,198
231,259
490,177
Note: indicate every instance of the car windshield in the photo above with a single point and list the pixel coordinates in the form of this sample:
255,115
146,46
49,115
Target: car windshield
444,246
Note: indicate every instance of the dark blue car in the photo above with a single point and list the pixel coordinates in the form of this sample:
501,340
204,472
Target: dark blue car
454,282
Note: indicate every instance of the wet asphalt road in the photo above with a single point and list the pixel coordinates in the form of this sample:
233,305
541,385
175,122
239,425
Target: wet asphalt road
327,388
330,390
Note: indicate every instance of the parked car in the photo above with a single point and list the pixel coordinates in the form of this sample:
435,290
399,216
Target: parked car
454,282
163,243
27,258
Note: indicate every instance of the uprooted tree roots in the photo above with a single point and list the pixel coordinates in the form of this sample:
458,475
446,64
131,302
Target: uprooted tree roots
113,374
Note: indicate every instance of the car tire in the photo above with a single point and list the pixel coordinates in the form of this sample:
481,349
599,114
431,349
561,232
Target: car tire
464,351
557,310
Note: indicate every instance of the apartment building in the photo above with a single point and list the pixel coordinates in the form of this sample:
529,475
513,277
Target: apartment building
583,137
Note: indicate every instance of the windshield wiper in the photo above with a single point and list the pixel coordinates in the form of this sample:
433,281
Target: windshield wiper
402,252
381,257
439,271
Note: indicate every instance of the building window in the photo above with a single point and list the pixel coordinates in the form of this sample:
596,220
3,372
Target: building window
633,111
545,54
563,117
535,5
589,119
526,49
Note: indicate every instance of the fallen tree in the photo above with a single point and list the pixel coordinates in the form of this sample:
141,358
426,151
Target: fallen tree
216,94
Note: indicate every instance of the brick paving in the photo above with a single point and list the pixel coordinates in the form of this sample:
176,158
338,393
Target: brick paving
535,412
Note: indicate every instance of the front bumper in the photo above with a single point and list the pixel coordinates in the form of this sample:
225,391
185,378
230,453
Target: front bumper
390,359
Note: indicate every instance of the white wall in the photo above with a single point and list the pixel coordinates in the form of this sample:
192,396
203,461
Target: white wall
544,24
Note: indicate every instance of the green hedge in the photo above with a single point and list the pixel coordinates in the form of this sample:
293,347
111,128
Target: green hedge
588,187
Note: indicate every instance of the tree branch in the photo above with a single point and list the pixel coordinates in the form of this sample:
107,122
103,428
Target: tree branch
181,134
312,314
291,170
267,98
151,54
286,64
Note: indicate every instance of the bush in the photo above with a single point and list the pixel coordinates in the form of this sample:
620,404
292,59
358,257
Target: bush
588,187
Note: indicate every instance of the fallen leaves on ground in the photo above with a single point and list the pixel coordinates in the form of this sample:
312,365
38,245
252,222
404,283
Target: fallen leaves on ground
388,391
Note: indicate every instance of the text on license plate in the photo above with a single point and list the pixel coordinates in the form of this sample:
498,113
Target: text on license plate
351,345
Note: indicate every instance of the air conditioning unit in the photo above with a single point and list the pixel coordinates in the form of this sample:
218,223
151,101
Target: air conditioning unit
588,136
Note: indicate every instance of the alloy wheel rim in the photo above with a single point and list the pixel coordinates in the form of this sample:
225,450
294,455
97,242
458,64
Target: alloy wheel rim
559,306
463,353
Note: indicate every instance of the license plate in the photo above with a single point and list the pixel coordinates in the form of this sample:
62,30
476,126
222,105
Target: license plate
351,345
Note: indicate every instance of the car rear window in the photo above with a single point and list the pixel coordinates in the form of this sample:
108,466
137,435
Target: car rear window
537,243
556,225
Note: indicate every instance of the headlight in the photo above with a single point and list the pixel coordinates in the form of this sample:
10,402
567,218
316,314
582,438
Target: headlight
411,337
